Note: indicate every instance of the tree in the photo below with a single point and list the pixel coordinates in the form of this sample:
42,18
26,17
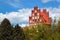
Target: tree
5,30
5,22
58,23
18,33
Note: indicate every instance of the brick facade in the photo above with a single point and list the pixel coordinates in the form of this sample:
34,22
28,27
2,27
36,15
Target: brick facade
39,17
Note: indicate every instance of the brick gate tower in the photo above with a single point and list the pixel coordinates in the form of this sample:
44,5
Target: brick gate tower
39,17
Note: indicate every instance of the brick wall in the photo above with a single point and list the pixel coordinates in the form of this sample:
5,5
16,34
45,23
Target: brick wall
39,17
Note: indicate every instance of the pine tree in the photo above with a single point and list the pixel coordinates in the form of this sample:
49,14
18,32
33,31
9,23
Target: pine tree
5,30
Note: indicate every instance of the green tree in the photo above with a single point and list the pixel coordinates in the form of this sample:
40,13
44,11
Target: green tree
58,24
18,34
5,30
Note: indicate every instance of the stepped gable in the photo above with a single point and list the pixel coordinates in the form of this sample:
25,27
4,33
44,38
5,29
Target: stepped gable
39,17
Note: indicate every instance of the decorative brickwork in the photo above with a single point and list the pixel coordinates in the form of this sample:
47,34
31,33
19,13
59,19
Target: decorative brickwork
39,17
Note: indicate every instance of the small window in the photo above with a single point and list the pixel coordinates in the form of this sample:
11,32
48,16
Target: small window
32,20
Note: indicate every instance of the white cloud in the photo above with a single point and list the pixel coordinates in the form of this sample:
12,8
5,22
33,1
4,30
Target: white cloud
23,25
22,16
58,0
45,1
17,17
13,3
54,12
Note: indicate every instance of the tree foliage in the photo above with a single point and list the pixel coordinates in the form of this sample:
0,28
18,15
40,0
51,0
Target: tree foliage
8,32
36,32
18,33
43,32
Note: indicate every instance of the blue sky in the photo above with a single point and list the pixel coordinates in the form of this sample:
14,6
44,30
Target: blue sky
14,5
12,8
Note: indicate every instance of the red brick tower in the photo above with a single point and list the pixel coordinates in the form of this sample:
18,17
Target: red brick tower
38,17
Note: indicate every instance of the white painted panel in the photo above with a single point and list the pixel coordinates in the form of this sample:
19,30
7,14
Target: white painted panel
40,20
33,14
38,17
32,17
38,14
35,11
35,17
30,21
